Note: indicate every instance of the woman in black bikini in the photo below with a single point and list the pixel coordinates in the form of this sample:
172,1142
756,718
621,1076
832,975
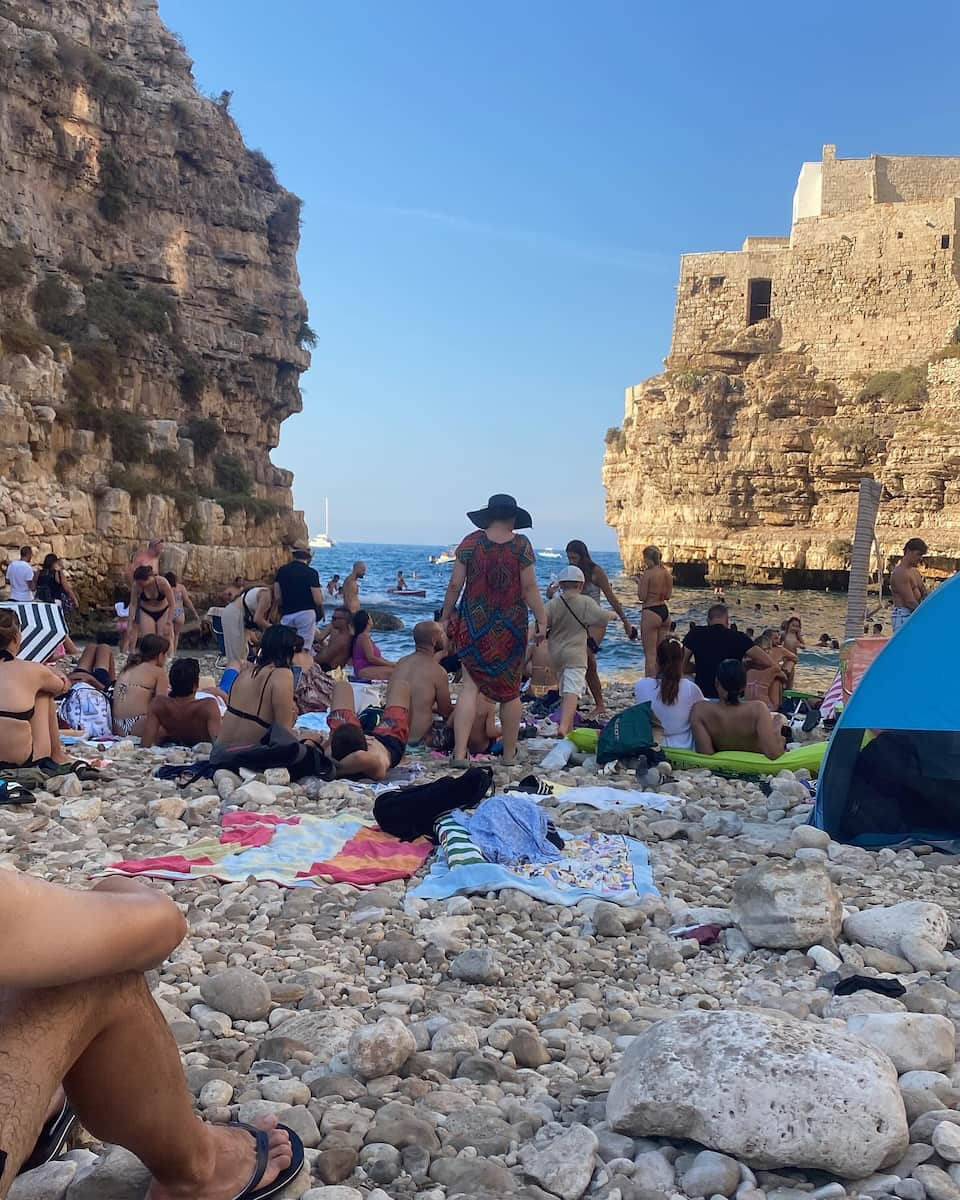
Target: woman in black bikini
29,734
151,606
654,589
262,694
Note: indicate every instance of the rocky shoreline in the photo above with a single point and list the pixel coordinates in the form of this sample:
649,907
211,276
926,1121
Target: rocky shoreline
492,1045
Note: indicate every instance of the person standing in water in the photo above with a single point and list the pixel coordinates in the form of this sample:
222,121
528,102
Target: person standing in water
596,583
351,587
906,583
401,582
654,589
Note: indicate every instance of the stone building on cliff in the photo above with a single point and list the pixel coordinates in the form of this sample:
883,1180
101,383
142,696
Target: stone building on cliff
152,329
799,365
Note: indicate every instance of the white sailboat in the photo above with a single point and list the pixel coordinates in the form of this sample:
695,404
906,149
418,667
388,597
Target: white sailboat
323,541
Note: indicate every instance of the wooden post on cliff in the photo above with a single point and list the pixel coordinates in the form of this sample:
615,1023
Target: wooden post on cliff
863,541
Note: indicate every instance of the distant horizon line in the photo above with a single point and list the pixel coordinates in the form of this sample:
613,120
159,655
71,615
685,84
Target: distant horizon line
426,545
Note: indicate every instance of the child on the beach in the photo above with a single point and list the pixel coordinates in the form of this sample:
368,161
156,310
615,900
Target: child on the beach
570,616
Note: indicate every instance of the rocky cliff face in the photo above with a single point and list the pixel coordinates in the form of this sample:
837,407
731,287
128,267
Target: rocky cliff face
744,463
152,330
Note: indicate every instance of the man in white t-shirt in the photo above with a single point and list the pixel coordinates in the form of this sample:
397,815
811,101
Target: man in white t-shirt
20,577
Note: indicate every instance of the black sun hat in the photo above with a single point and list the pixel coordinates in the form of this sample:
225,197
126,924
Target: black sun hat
500,508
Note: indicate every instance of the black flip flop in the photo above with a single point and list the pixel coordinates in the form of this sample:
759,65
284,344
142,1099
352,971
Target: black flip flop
52,1138
262,1139
15,793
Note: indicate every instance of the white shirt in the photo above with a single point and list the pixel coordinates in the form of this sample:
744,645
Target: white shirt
674,718
20,576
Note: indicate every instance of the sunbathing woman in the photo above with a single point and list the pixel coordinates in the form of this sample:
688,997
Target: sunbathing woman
151,606
143,678
368,662
28,723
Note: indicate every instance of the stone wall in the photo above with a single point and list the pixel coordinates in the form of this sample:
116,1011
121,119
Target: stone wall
152,330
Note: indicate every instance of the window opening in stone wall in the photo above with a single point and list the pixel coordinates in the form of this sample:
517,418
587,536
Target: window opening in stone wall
945,241
899,233
716,281
758,300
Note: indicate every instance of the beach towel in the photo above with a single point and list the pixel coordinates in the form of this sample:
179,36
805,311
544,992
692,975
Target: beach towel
459,850
510,830
295,851
595,866
607,798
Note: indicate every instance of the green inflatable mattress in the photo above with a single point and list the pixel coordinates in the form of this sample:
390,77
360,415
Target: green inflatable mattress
739,762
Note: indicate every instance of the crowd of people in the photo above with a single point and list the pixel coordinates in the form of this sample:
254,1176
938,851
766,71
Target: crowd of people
716,687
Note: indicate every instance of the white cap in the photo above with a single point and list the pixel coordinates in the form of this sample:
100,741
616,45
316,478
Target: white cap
570,575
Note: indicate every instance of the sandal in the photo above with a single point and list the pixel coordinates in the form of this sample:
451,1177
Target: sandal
52,1138
262,1139
15,793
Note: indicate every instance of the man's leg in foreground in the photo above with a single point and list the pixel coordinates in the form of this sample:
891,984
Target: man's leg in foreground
108,1043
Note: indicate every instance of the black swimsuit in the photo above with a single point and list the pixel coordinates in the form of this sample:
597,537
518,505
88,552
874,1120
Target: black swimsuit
245,716
660,609
156,615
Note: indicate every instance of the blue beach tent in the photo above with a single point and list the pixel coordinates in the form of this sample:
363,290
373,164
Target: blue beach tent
891,775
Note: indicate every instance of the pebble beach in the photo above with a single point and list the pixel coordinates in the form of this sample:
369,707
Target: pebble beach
492,1045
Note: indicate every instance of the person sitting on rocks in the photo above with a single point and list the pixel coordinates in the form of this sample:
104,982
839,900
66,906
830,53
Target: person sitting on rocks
29,733
335,641
368,660
181,717
371,756
767,683
143,678
429,686
735,723
77,1017
261,694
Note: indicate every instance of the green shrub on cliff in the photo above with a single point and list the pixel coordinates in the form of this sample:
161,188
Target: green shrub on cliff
206,435
232,476
904,388
20,337
51,304
114,185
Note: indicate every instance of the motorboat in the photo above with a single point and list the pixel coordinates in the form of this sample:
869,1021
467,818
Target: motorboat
549,553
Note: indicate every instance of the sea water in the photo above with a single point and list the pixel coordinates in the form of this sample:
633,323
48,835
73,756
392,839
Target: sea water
750,608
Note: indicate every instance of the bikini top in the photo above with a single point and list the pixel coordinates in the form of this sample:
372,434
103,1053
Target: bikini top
6,656
157,598
245,716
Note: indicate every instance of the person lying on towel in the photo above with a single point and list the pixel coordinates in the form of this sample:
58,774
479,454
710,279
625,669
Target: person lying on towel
359,755
732,723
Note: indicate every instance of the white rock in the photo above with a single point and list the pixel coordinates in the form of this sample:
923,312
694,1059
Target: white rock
216,1093
764,1087
653,1171
455,1036
49,1182
380,1049
253,792
85,808
946,1141
912,1041
787,905
285,1091
824,959
565,1167
807,837
712,1174
885,928
217,1023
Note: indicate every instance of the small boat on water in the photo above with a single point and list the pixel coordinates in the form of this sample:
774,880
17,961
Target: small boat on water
323,541
406,592
444,557
549,552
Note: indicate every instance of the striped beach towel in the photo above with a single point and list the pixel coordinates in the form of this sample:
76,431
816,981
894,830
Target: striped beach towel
459,850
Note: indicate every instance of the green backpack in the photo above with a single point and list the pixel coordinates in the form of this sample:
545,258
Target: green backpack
628,734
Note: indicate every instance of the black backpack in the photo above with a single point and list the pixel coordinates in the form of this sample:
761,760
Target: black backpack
411,812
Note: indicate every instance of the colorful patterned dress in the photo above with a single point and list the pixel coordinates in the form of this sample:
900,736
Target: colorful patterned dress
491,637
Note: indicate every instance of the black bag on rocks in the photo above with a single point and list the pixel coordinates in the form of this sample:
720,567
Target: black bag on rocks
277,748
411,812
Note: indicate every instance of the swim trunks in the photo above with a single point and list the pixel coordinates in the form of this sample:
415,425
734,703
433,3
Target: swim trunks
660,609
392,730
898,618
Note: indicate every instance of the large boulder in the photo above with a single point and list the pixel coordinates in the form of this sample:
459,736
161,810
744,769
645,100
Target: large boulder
914,929
787,905
380,1049
763,1087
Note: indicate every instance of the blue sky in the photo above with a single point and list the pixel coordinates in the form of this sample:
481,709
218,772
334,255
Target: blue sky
496,196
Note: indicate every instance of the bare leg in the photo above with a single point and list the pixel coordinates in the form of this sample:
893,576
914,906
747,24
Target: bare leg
88,659
594,685
650,627
103,1038
510,713
46,731
177,632
70,646
464,713
342,696
568,710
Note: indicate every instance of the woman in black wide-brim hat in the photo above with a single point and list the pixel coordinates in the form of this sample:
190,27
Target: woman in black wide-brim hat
494,571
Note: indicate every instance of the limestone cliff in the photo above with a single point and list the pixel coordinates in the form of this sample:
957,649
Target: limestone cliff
152,330
746,466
